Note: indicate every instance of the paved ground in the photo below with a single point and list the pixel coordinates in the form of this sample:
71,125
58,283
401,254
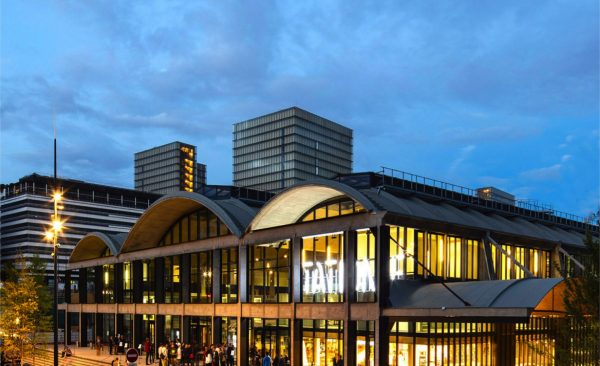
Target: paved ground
91,355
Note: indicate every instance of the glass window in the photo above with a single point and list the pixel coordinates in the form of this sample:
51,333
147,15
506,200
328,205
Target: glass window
198,225
127,283
201,277
323,268
172,280
365,266
91,285
472,271
148,282
269,336
332,208
402,253
365,343
108,284
229,275
322,342
269,266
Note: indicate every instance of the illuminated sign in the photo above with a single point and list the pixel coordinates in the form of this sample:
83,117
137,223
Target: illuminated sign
364,278
323,278
397,267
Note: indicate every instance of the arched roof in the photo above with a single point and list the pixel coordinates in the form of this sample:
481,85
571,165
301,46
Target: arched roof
93,245
522,293
158,218
288,206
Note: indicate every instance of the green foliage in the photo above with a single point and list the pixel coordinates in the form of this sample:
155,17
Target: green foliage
24,309
580,332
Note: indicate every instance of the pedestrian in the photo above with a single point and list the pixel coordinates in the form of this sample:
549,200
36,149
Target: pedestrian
208,361
267,361
111,343
147,349
162,354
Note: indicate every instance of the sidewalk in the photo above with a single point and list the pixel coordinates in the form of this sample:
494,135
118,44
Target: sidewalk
90,354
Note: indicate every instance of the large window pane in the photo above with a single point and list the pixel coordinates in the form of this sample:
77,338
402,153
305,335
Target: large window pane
323,268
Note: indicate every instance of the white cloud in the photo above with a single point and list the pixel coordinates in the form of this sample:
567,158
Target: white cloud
546,173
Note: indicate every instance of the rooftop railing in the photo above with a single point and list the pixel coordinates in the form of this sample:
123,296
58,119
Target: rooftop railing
419,184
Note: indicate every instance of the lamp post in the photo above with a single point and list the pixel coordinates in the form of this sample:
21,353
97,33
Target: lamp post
52,236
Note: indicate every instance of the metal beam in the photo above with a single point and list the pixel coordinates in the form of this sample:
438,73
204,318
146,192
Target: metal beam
571,258
516,262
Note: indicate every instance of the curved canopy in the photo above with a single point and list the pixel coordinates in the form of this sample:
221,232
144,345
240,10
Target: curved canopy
523,293
158,218
94,244
288,206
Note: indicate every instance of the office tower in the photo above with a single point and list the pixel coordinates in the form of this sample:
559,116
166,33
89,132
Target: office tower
277,150
26,207
169,168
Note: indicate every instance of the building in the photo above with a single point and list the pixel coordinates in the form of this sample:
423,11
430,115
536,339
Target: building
26,207
169,168
375,269
280,149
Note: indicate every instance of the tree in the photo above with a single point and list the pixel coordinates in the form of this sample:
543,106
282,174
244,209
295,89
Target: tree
580,333
24,309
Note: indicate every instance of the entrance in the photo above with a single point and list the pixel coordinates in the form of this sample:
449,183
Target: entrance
200,330
269,335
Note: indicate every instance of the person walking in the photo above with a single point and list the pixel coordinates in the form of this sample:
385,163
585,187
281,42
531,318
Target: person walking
267,361
147,350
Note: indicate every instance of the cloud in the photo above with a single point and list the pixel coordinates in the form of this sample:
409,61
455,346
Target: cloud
543,174
462,156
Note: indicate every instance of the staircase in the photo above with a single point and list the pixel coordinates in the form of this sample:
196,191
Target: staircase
45,358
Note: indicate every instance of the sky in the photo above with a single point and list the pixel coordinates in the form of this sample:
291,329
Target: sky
475,93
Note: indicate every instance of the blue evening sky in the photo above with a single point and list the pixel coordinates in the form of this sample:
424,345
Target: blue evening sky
476,93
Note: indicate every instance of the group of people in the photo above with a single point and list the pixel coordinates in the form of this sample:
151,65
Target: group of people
265,359
176,353
117,344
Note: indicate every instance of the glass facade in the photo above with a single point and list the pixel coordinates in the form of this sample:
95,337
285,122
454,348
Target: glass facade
323,268
127,283
268,336
201,277
431,343
108,284
199,225
269,272
537,261
229,275
172,280
200,331
333,208
148,281
365,343
322,342
365,266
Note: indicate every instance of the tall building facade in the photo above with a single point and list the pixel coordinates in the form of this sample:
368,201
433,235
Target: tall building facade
26,207
277,150
169,168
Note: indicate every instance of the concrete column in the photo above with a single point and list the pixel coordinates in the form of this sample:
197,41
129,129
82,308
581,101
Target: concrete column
159,280
349,351
383,265
98,284
243,274
216,275
382,346
505,339
99,325
242,342
296,342
137,283
138,331
68,286
83,340
217,330
118,283
67,327
160,329
185,273
296,270
186,330
82,285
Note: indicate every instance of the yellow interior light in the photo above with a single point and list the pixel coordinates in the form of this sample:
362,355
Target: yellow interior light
56,196
57,225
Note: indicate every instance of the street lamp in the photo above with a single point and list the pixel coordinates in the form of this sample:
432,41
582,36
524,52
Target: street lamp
52,236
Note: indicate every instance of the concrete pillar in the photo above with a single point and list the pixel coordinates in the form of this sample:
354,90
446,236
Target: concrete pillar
67,286
186,330
67,327
242,342
138,331
349,351
159,280
296,269
505,344
185,273
296,342
99,326
83,325
243,274
216,275
217,330
383,294
382,330
118,267
82,285
160,329
137,283
98,284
